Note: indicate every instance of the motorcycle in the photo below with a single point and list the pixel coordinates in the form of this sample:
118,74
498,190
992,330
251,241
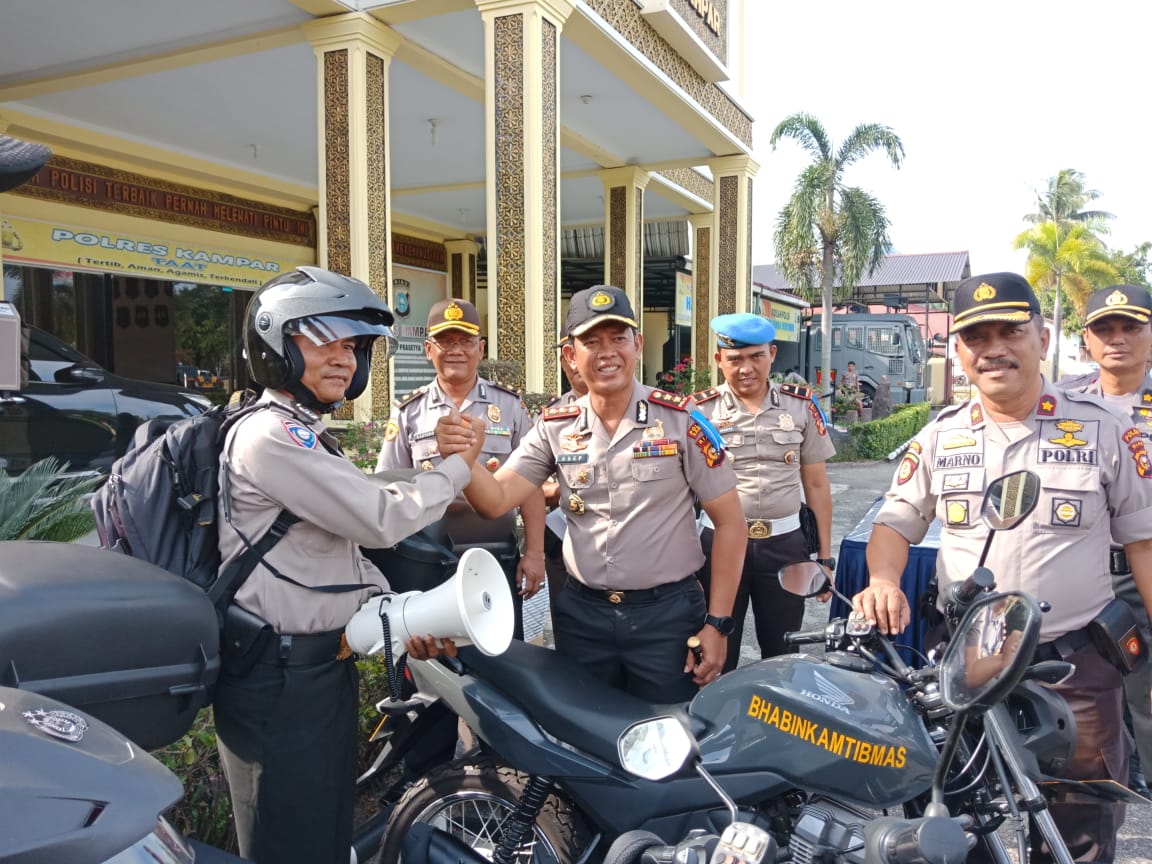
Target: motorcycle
824,753
74,789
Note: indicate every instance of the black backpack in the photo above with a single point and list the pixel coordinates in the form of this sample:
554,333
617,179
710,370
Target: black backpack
162,501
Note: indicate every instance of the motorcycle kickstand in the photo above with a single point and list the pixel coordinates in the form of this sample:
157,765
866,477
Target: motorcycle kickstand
518,827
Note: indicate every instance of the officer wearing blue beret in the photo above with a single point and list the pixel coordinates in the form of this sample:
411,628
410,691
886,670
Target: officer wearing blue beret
778,442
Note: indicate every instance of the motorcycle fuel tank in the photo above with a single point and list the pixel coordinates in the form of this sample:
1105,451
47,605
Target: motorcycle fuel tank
850,734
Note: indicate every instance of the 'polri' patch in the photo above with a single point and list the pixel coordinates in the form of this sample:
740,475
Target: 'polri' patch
300,433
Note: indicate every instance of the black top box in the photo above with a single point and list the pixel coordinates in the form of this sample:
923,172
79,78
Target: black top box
121,639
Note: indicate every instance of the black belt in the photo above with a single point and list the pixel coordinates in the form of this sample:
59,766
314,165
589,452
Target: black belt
286,649
1064,647
638,595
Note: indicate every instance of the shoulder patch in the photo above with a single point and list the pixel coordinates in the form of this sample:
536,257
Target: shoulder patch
413,396
670,400
300,434
559,412
705,395
797,390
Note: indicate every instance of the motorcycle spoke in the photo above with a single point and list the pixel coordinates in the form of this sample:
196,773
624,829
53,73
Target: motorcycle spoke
480,824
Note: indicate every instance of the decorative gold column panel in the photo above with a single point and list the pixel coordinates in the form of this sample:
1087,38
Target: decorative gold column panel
702,282
353,54
624,230
522,42
732,241
462,268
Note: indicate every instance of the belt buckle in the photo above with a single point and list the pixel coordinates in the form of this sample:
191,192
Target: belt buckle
616,597
759,530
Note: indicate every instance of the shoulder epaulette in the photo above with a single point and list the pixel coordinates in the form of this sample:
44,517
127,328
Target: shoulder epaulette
559,412
670,400
505,388
705,395
413,396
797,390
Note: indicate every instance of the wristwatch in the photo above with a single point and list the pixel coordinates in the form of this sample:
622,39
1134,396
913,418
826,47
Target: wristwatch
830,563
723,623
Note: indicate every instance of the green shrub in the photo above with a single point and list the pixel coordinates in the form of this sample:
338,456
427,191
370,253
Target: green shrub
877,438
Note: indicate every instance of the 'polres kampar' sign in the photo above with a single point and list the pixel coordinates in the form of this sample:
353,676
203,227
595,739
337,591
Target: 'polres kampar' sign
67,247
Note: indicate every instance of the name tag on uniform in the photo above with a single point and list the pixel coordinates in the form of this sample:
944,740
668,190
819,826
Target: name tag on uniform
503,431
420,436
571,458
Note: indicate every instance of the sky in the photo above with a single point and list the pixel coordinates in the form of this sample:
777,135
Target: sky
989,98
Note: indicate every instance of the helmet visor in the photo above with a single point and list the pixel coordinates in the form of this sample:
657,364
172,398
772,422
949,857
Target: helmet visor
323,329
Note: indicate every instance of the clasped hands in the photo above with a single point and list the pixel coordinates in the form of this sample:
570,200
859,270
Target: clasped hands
460,433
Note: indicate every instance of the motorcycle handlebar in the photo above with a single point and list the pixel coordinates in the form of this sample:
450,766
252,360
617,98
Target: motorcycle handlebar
805,637
890,840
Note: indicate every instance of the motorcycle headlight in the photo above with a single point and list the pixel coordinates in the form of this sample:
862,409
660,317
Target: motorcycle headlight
656,748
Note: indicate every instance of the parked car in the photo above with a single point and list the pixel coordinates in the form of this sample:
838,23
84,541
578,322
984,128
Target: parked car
79,412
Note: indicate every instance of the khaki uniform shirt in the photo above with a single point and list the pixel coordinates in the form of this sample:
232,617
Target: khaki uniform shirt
628,497
410,442
1094,475
768,447
274,461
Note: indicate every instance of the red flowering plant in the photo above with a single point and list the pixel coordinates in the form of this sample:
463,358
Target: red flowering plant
688,378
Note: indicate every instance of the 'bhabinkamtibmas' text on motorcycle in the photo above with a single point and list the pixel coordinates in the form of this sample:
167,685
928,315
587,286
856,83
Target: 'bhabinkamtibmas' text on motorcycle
849,756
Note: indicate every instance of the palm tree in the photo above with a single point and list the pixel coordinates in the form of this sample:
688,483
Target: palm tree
827,227
1062,205
1068,259
44,503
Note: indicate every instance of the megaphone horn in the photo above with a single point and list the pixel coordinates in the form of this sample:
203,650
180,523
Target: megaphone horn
474,607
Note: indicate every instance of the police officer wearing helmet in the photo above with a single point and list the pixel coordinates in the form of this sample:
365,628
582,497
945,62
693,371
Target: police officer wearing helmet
631,461
287,701
1118,336
778,444
1094,472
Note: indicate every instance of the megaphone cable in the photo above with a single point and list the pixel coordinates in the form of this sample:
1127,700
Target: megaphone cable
395,670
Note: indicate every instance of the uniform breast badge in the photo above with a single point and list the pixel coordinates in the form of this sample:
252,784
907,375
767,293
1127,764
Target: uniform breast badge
571,442
787,423
426,465
494,413
492,464
576,503
654,433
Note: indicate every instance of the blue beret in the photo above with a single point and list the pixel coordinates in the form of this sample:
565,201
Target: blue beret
742,330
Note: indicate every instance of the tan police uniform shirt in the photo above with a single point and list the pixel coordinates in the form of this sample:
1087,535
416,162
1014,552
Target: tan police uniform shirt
629,496
1095,481
275,460
768,447
410,442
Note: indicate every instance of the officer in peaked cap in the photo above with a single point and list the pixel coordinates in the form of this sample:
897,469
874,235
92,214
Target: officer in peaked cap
778,444
1118,336
455,348
631,461
1095,478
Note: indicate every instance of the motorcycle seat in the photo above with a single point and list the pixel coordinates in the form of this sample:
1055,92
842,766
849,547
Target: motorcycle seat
565,699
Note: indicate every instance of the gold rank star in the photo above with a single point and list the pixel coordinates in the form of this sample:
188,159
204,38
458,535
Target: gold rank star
1047,405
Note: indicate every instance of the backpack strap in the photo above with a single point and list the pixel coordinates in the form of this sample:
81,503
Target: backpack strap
237,573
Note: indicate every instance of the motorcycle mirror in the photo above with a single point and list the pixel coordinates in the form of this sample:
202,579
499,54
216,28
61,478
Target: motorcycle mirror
804,578
656,748
1010,499
989,651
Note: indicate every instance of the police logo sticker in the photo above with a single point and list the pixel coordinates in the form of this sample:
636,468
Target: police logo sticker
58,724
1066,512
264,322
300,434
956,512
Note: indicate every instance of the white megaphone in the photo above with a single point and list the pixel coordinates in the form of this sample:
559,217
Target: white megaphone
474,607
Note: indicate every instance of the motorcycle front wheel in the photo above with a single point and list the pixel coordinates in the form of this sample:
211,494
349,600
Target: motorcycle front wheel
472,800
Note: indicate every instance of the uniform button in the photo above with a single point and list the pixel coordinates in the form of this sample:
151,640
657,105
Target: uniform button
614,522
609,559
613,485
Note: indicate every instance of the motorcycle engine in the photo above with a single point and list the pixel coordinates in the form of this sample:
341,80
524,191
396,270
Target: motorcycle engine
825,826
